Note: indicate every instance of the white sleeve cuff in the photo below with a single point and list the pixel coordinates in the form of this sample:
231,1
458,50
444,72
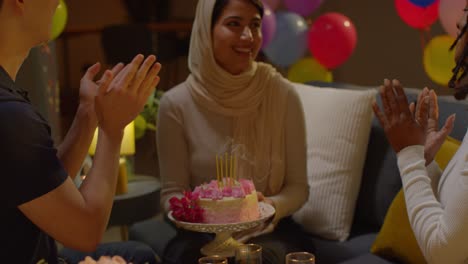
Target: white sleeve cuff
410,154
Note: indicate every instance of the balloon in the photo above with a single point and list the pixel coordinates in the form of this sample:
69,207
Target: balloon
332,39
268,26
290,41
302,7
416,16
273,4
449,13
422,3
59,20
438,60
309,69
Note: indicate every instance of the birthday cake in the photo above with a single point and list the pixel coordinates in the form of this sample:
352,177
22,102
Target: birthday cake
228,202
224,200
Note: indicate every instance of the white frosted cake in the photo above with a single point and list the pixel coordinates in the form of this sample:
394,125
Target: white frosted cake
228,201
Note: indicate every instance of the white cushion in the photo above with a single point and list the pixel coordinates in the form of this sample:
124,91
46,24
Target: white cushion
338,123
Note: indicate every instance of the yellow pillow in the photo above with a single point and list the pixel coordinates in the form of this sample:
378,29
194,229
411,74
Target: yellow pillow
396,240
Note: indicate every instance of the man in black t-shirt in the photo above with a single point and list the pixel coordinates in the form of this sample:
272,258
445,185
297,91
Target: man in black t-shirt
39,201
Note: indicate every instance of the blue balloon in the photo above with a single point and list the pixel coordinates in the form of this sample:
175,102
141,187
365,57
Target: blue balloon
290,41
422,3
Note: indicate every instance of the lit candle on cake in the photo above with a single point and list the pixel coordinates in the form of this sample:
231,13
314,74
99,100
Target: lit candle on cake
217,170
227,167
231,176
221,166
235,168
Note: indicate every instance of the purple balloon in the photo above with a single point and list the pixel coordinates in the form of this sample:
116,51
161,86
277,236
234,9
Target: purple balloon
268,26
273,4
302,7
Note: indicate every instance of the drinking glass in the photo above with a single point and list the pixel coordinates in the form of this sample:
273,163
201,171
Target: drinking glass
215,259
300,258
248,254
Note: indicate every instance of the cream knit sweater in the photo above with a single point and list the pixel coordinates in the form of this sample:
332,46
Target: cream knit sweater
189,137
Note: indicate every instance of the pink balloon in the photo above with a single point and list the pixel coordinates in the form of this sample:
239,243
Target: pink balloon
416,16
302,7
449,13
332,39
273,4
268,26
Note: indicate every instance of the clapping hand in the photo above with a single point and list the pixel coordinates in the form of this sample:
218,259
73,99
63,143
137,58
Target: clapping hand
89,87
405,126
121,98
399,124
430,118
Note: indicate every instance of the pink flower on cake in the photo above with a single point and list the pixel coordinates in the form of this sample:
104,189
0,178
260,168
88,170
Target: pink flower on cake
227,191
238,192
213,194
247,185
208,192
186,208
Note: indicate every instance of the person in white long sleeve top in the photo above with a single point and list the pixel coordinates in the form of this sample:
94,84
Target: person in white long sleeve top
437,202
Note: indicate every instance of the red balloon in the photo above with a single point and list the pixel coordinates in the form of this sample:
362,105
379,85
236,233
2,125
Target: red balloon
332,39
416,16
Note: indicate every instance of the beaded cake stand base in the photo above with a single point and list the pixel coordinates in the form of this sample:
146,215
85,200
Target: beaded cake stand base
223,244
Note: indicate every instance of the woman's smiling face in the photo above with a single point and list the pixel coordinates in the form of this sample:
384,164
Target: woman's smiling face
237,36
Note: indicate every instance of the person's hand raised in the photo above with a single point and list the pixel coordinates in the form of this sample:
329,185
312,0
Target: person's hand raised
89,87
434,137
399,125
122,97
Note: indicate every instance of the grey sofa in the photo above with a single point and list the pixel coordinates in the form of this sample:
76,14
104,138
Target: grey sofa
380,184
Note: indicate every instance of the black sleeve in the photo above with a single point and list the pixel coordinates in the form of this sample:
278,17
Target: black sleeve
29,166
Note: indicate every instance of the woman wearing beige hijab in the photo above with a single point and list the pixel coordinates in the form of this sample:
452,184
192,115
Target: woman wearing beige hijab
228,101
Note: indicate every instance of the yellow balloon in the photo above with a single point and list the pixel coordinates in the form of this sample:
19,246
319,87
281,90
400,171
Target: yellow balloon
309,69
59,20
438,60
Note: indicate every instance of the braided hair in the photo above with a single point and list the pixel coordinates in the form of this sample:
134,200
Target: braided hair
460,71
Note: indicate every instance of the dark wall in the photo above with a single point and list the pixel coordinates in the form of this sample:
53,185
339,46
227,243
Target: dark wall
386,46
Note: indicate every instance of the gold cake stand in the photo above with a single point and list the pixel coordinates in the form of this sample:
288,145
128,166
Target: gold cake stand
223,244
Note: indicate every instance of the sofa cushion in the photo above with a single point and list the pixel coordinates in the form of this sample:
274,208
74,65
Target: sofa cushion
446,152
396,238
449,106
338,125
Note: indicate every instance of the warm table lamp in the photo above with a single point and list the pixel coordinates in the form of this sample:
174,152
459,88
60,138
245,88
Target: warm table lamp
127,148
